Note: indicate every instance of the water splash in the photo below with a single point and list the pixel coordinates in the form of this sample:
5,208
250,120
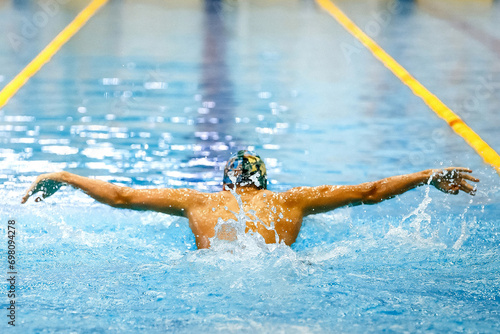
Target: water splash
464,234
420,214
420,223
418,227
233,234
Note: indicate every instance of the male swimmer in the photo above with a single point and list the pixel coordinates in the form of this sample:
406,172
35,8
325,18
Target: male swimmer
245,177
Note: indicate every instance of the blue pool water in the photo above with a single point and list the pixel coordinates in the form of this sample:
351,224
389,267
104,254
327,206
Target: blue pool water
159,94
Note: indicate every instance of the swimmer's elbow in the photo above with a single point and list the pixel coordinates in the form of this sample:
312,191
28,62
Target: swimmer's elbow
121,198
370,193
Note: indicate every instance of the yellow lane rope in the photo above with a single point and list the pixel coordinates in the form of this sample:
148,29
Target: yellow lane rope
50,50
456,123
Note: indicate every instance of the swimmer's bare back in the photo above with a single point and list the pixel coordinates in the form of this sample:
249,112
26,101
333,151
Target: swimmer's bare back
285,209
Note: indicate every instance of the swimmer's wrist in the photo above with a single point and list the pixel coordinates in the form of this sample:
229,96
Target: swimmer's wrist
428,176
63,176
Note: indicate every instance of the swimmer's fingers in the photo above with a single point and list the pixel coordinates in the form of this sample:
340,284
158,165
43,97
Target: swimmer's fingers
47,186
455,186
462,169
469,177
468,188
451,172
460,176
34,188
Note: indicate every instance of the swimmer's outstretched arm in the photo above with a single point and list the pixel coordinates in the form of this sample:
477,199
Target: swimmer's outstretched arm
166,200
325,198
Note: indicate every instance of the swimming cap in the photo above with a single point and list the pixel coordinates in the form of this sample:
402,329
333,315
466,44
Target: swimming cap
245,168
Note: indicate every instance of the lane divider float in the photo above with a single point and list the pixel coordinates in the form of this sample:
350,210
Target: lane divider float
49,51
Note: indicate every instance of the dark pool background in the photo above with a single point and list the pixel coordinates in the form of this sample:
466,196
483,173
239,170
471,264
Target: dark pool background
158,94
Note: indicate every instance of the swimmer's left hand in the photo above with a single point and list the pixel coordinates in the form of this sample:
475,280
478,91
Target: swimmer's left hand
48,184
453,179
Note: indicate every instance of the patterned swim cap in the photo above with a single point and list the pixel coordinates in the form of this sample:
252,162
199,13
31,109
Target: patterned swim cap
245,168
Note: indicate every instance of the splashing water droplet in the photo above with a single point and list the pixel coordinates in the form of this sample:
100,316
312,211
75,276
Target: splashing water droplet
232,235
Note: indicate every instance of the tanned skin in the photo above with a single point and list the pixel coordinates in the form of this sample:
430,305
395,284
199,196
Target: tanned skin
285,209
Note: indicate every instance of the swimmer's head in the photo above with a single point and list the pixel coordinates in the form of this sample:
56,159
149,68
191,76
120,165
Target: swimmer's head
245,168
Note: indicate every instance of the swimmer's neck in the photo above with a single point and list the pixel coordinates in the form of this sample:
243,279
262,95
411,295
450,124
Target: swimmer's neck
241,189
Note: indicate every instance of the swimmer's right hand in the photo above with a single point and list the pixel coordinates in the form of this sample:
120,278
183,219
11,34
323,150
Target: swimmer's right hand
453,179
48,184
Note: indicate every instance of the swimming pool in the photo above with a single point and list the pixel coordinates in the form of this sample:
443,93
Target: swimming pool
158,94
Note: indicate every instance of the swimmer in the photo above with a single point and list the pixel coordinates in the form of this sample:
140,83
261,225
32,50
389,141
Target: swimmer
245,177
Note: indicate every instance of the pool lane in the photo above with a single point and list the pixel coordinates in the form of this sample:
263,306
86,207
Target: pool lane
489,155
289,107
50,50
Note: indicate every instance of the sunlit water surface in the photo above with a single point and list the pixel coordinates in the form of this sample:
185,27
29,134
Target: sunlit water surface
167,111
